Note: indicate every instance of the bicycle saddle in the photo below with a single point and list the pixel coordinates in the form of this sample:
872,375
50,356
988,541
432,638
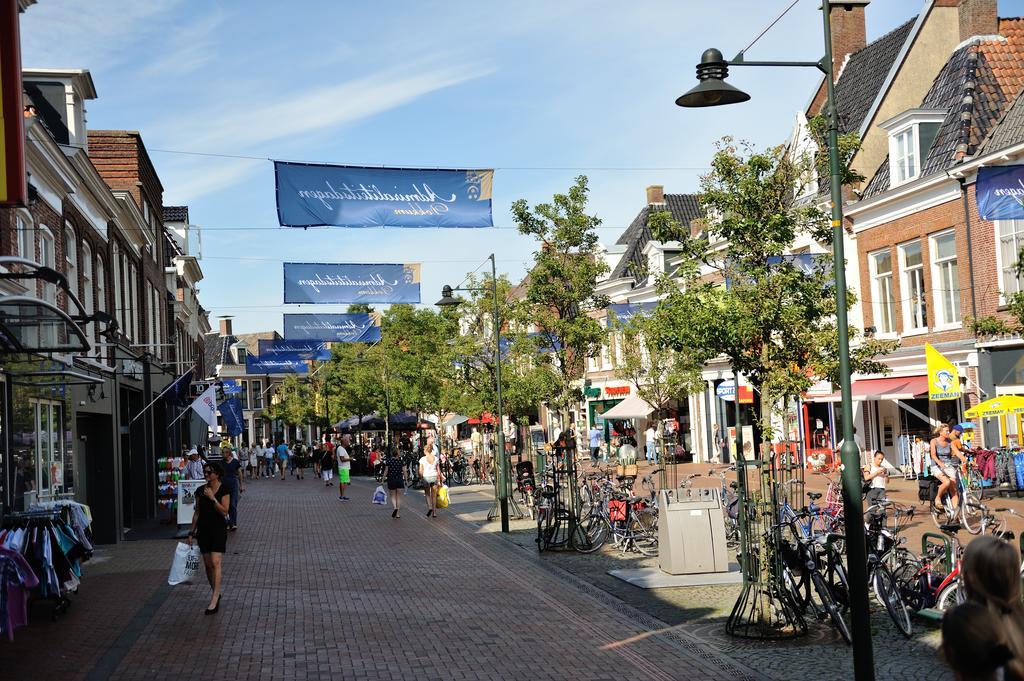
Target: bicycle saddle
1006,535
951,528
814,496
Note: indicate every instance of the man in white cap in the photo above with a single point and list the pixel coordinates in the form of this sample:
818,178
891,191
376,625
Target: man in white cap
194,466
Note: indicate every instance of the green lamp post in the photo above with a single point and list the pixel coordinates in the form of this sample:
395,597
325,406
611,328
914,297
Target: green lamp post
714,91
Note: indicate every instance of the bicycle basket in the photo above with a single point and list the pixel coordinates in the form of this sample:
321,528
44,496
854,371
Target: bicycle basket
616,510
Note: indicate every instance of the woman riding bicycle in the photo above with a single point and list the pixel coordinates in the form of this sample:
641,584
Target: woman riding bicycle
946,460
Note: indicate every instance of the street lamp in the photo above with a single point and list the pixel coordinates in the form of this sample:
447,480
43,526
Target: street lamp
713,91
449,300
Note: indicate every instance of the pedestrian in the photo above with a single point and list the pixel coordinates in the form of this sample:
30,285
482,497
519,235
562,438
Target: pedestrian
430,474
254,462
282,457
300,460
975,646
315,458
268,459
327,466
477,440
395,467
194,466
595,443
876,475
650,444
210,529
990,571
231,478
344,465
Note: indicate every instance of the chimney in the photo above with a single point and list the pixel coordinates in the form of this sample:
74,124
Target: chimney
978,17
848,35
656,195
225,326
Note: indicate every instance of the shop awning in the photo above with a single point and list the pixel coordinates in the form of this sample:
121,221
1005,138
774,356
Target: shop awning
455,419
485,418
632,407
889,388
29,324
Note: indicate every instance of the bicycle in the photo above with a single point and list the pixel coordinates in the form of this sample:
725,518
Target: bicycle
627,519
923,585
966,510
881,544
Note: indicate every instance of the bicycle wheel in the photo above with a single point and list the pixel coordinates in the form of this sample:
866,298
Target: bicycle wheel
643,528
888,592
829,604
942,515
547,527
838,584
950,595
799,589
595,531
971,513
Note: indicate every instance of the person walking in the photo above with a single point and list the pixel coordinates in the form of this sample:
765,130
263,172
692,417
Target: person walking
595,443
395,467
315,458
327,466
231,478
344,465
430,474
268,458
194,466
282,457
300,460
210,529
254,461
651,444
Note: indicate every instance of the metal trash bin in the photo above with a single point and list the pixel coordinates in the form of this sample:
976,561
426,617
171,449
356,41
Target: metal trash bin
691,531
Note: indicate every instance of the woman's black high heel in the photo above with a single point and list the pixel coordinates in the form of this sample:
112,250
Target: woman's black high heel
214,609
394,514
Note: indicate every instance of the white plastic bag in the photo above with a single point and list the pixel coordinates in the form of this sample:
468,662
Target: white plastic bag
379,495
185,565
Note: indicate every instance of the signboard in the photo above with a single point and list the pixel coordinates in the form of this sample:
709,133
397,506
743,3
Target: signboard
334,328
257,365
330,283
296,350
616,390
943,376
230,387
13,182
311,194
726,390
624,312
187,499
1000,192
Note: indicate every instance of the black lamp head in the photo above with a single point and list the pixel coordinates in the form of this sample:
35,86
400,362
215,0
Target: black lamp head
447,298
712,90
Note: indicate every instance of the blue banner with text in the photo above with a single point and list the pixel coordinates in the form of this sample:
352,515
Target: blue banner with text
258,365
294,350
1000,192
624,312
313,194
231,411
333,328
351,283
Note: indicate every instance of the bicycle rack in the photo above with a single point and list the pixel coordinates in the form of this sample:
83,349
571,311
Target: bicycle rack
946,545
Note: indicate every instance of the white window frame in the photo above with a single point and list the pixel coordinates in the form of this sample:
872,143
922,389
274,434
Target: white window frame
99,274
941,285
115,265
88,287
905,167
876,293
1006,288
71,259
26,235
907,272
907,127
48,258
257,394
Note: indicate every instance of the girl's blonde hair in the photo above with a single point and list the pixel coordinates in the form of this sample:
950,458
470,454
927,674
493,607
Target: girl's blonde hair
991,577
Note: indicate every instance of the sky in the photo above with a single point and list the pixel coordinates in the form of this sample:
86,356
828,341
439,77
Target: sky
540,91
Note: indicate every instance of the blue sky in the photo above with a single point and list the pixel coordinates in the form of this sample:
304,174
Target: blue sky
542,91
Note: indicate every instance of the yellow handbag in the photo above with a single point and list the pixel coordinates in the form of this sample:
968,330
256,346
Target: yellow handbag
442,497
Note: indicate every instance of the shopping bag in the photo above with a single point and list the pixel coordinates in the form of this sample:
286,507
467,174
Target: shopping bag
442,497
185,565
379,495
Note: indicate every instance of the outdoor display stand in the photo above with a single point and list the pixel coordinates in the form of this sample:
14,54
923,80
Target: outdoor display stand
168,476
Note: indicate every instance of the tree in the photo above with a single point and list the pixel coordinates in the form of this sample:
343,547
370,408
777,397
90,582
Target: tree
359,308
770,312
658,373
561,286
293,401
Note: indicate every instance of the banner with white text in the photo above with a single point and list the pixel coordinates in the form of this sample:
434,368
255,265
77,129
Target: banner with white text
295,350
258,365
313,194
330,283
1000,192
332,328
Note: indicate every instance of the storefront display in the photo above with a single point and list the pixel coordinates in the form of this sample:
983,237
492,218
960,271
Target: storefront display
168,476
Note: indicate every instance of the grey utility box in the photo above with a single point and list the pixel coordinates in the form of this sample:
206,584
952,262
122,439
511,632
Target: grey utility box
691,531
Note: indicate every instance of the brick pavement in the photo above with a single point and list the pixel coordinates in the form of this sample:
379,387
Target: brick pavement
320,589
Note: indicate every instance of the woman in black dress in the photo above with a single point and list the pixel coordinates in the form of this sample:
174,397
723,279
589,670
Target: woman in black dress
395,467
210,528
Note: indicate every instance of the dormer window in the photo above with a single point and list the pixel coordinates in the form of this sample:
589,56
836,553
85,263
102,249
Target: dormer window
911,135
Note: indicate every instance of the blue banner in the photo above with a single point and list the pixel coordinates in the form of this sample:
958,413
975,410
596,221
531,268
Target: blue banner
312,194
351,283
258,365
230,387
1000,192
295,350
231,410
333,328
626,311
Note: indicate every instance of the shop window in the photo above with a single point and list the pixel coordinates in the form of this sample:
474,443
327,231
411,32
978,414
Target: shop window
1011,240
257,394
883,305
243,396
946,278
39,446
26,237
915,311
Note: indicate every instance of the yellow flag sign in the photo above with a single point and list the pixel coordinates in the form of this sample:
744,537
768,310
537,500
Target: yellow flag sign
943,376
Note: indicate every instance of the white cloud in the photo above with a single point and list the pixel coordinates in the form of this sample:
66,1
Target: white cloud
187,48
88,33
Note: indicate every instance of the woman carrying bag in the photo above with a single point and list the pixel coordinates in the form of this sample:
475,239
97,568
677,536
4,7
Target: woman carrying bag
430,474
210,527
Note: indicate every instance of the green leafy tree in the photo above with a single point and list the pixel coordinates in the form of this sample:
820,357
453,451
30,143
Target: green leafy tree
749,299
561,287
293,402
357,308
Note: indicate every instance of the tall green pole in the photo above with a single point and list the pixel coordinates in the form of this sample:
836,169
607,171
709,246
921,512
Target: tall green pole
856,551
499,419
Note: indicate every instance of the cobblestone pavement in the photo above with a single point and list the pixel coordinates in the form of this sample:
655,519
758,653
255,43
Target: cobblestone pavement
701,612
316,588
